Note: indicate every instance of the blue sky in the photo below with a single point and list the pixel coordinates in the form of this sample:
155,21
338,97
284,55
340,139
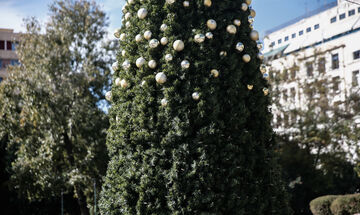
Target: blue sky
270,13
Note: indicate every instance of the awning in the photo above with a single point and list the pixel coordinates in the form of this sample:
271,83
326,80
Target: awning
275,51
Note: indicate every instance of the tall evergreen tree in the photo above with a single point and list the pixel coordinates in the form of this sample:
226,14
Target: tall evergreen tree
190,122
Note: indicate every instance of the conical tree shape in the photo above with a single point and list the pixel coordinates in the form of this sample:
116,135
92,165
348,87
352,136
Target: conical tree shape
190,124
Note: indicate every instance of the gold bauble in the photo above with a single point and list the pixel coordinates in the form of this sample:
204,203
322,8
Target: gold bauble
246,58
215,73
250,86
207,3
211,24
266,91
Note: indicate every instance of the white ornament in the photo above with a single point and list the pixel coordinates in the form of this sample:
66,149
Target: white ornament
214,72
185,64
199,38
164,41
126,65
127,15
131,1
124,83
186,3
123,53
170,1
244,6
164,102
138,38
124,9
263,68
168,57
143,83
254,35
251,19
246,58
207,3
115,66
163,27
117,33
142,13
259,45
211,24
127,24
160,78
147,35
223,53
122,36
117,81
260,56
152,64
178,45
154,43
231,29
140,62
237,22
240,46
209,35
108,95
196,96
253,13
248,2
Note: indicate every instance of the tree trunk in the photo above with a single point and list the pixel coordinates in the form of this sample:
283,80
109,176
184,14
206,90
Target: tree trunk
81,201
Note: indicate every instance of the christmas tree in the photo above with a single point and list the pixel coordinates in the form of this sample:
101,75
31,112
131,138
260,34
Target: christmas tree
190,122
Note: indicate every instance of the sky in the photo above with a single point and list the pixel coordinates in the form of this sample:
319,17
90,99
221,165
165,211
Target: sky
270,13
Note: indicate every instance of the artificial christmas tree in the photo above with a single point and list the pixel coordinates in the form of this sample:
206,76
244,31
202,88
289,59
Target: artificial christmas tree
190,123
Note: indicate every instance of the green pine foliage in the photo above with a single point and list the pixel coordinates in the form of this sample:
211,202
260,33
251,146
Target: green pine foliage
213,155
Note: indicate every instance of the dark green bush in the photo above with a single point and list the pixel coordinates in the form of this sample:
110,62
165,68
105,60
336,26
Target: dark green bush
347,204
321,205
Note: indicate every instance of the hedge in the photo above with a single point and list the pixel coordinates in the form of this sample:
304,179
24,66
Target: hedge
347,204
321,205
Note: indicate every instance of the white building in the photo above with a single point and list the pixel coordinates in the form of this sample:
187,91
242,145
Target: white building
333,32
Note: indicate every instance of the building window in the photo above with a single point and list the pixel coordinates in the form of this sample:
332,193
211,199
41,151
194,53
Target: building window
14,45
332,20
359,9
272,44
293,35
342,16
14,62
356,54
321,65
286,38
301,33
335,61
8,45
285,95
2,45
336,83
1,64
279,41
308,29
352,12
309,69
293,74
317,26
293,93
1,79
355,78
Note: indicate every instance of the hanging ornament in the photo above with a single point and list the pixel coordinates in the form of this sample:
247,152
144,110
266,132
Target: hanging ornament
127,24
244,6
248,2
254,35
164,102
199,38
260,56
163,27
207,3
154,43
147,35
138,38
115,66
117,81
240,46
117,33
168,57
126,65
237,22
124,9
223,53
142,13
127,15
164,41
124,83
246,58
140,62
266,76
209,35
170,1
215,73
196,96
186,3
251,26
211,24
131,1
231,29
252,13
160,78
185,64
250,87
263,68
122,37
178,45
259,45
143,83
266,91
123,53
251,19
152,64
108,96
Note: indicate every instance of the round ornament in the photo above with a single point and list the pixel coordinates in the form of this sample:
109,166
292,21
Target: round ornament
131,1
160,78
117,33
209,35
260,56
127,15
142,13
231,29
126,65
211,24
195,96
143,83
186,3
266,76
127,24
154,43
215,73
115,66
244,6
124,9
168,57
259,45
108,96
152,64
147,35
123,53
250,86
248,2
122,37
199,38
253,13
140,62
163,27
251,26
178,45
185,64
117,81
237,22
164,102
138,38
251,19
223,53
124,83
246,58
207,3
254,35
240,46
263,68
266,91
170,1
164,41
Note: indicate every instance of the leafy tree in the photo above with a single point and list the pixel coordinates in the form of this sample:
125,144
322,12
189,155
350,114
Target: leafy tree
190,125
49,105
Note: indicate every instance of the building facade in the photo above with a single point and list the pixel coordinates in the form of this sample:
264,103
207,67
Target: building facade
328,40
7,50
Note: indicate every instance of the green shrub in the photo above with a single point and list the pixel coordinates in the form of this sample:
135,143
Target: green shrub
321,205
347,204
